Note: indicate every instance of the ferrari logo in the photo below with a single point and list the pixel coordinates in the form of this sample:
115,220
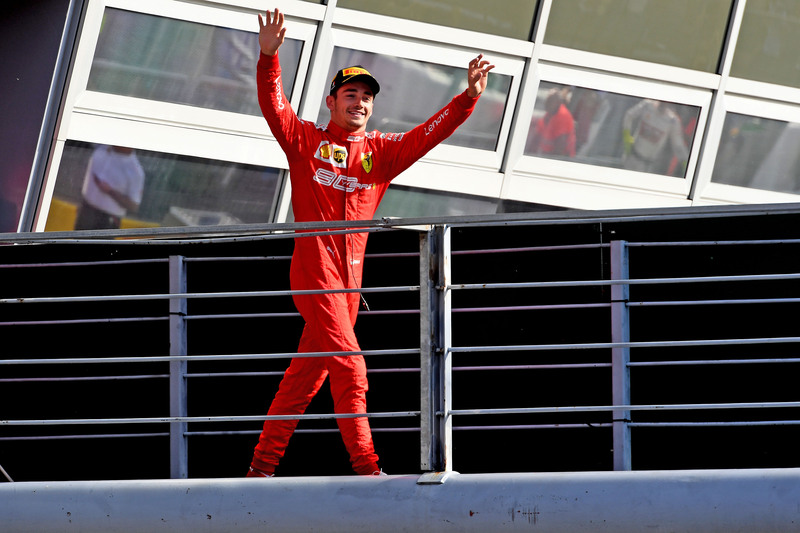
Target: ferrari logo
366,161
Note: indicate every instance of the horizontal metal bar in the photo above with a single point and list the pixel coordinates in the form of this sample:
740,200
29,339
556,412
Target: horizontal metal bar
584,425
751,361
543,307
756,423
194,419
281,372
532,367
83,378
632,281
203,295
314,431
638,344
532,249
361,312
85,321
712,243
83,437
220,259
222,316
226,357
738,301
606,408
84,263
171,237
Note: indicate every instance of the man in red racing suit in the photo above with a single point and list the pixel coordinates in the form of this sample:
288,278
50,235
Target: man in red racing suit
338,172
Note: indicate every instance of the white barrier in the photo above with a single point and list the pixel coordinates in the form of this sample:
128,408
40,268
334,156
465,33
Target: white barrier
724,501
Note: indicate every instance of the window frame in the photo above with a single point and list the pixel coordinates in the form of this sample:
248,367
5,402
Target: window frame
457,169
165,127
710,193
548,171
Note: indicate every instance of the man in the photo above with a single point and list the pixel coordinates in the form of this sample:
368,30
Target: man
648,129
338,172
555,131
113,187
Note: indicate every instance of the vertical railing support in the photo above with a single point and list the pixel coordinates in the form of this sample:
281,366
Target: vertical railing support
435,341
620,356
178,406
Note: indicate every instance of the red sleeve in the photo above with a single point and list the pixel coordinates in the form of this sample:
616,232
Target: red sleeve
275,107
419,141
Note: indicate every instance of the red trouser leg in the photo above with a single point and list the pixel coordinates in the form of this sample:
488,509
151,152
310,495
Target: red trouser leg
328,327
299,385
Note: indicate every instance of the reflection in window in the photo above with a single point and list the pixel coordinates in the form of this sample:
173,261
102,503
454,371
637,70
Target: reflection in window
611,130
182,62
514,20
429,87
759,153
680,33
410,202
766,49
170,190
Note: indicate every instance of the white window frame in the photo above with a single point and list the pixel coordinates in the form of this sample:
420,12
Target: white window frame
167,127
457,169
672,190
711,193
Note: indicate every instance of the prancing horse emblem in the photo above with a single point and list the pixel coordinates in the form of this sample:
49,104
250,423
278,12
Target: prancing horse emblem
366,161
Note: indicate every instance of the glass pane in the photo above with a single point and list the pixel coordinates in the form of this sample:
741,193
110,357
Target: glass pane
411,202
759,153
611,130
514,20
430,87
769,39
680,33
182,62
172,190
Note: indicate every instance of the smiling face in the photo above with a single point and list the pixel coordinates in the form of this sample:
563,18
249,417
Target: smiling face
351,106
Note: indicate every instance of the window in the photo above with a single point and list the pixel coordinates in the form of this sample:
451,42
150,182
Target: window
759,153
514,20
680,33
768,41
176,190
412,202
176,61
411,91
611,130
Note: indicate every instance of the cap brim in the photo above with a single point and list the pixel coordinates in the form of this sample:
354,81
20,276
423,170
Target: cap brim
369,80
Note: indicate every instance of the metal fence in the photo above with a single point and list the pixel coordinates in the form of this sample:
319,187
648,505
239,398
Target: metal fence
440,358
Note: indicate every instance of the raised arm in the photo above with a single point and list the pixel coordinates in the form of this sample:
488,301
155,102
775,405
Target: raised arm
477,76
271,32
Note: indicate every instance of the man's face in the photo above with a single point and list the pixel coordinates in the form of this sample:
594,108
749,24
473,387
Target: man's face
351,107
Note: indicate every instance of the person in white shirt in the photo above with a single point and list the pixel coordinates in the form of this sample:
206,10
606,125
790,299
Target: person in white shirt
112,188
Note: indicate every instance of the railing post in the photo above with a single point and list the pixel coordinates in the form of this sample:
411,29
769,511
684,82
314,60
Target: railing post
435,341
178,406
620,356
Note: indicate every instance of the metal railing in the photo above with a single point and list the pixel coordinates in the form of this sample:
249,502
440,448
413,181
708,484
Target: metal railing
439,356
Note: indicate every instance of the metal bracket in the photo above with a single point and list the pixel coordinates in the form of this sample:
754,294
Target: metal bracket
434,478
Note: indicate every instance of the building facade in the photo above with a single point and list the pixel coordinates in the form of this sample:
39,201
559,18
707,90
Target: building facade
660,103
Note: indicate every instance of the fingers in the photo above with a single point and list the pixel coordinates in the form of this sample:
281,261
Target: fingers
481,64
275,19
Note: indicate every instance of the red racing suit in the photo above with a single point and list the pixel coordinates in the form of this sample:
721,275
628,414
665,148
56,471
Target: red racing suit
335,176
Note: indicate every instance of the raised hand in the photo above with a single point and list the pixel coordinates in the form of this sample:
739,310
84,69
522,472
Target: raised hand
271,32
477,76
